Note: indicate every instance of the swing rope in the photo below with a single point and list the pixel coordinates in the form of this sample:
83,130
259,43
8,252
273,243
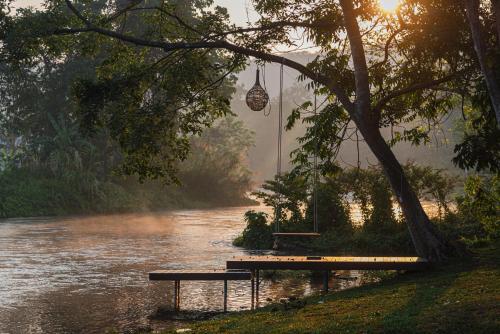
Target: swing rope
279,160
280,135
315,168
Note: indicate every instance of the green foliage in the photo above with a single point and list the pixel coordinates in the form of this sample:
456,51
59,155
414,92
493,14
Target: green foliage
380,233
90,110
332,208
152,97
25,193
288,194
150,103
472,217
371,191
478,210
432,184
70,177
323,137
478,132
257,234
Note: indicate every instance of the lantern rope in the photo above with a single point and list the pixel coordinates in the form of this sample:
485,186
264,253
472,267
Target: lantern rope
268,112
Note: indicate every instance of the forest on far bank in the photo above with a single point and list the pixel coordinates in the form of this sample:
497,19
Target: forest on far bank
51,165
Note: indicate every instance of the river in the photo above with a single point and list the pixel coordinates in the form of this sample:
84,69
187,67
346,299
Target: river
89,274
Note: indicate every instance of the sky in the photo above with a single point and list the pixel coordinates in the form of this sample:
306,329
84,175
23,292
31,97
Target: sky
238,9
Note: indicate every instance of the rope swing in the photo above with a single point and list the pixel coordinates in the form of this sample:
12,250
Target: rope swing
257,98
315,168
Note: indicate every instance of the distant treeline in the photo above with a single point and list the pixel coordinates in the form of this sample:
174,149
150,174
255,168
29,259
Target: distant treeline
77,175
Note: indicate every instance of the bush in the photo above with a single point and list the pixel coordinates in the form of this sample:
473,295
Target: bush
332,208
257,234
24,193
476,221
28,193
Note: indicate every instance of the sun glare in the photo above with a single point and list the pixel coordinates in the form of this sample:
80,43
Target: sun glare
389,5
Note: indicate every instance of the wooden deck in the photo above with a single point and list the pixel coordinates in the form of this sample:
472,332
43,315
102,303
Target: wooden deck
202,275
199,275
327,263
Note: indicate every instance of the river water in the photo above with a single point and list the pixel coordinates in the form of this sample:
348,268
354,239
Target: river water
89,275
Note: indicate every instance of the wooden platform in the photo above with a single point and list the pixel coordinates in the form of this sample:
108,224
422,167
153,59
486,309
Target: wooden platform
296,234
199,275
327,263
202,275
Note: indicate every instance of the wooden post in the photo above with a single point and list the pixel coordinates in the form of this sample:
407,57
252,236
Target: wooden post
325,281
175,295
253,287
257,277
225,295
178,295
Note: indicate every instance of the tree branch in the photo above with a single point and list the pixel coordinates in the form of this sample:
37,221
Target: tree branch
386,48
412,88
221,44
175,17
77,13
122,11
273,25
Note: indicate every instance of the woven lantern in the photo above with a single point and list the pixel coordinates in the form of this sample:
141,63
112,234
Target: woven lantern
257,97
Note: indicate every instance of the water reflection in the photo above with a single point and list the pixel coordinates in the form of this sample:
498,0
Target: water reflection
84,275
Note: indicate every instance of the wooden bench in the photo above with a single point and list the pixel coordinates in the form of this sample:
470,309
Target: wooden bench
201,275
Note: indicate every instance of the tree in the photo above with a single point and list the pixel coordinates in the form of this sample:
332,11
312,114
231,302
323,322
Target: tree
377,69
150,108
486,45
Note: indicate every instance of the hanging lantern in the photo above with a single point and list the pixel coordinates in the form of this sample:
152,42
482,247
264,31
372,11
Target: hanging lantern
257,97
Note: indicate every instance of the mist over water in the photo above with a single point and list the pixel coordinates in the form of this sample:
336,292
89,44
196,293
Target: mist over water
86,275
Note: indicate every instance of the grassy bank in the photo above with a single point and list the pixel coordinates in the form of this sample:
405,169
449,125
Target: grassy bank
26,193
460,297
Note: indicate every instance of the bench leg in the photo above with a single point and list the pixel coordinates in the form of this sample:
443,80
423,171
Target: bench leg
177,295
225,295
325,281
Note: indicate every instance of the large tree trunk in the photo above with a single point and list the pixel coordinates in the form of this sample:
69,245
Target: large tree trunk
425,238
427,241
495,5
481,48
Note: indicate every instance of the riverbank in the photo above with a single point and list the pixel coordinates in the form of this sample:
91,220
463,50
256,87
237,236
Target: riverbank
459,297
26,193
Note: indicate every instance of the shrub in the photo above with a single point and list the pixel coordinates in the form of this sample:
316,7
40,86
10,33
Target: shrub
332,208
257,234
476,221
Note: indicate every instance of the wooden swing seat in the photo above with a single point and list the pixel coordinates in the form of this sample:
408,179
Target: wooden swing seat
296,234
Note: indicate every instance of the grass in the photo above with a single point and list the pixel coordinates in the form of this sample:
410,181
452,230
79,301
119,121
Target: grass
460,297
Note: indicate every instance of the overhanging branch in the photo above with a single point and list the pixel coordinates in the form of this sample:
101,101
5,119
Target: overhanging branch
216,44
410,89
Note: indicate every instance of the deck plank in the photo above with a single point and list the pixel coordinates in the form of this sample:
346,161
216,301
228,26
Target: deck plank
327,263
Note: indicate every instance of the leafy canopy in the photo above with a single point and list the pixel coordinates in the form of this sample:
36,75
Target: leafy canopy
165,68
151,101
